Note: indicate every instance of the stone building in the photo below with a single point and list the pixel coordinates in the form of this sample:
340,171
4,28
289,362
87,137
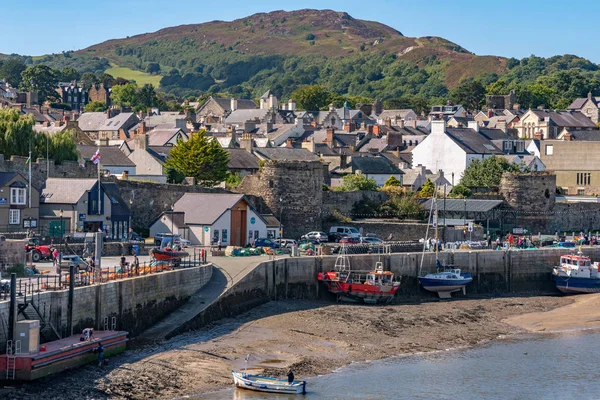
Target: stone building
588,106
292,190
73,94
547,124
501,102
100,93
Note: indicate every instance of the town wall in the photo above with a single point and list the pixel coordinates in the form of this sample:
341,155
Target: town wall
136,303
529,193
292,190
344,202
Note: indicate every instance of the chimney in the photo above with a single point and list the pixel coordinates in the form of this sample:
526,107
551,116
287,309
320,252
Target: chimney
103,142
246,142
376,130
370,129
329,137
292,105
142,128
441,173
140,141
58,123
289,143
313,124
309,144
490,113
46,123
438,126
538,135
423,169
590,95
502,125
401,124
388,122
516,106
474,125
66,118
331,107
348,127
394,140
272,102
343,161
269,126
263,104
108,113
568,137
233,104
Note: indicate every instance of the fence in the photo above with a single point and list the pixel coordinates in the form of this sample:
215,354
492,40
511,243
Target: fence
27,287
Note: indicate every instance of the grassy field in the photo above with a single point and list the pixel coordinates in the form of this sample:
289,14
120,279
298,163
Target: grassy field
140,77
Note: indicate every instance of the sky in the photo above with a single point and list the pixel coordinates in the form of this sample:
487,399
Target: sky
507,28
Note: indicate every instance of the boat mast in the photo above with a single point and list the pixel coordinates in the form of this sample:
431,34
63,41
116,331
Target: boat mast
436,220
427,231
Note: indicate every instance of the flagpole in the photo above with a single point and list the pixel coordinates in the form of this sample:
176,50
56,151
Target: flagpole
99,203
30,178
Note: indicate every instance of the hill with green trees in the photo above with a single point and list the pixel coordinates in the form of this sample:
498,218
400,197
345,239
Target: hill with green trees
284,51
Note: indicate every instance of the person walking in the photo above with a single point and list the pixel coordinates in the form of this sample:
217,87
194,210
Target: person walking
100,352
219,245
136,264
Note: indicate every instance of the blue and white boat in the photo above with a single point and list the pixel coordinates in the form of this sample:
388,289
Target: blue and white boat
261,383
447,280
577,273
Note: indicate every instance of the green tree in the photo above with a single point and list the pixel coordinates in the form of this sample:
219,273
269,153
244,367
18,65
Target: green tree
68,74
63,146
311,98
153,68
469,93
146,97
356,182
427,189
106,79
125,95
40,79
460,191
403,206
88,80
95,106
11,70
487,173
200,158
233,180
392,181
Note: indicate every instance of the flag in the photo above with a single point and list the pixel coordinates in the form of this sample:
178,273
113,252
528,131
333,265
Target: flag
28,161
96,157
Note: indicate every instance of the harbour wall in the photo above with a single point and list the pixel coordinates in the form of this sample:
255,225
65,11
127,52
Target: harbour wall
495,273
135,303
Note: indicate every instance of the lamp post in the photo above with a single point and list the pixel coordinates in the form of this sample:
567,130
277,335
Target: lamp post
62,235
131,218
172,232
465,216
453,179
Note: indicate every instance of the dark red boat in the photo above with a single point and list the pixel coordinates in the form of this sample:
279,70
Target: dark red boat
167,254
377,286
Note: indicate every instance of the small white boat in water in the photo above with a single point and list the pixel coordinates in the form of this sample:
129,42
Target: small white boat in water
260,383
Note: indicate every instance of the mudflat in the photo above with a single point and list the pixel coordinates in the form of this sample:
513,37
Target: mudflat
311,337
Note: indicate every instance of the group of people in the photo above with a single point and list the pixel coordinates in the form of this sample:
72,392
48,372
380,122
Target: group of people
131,269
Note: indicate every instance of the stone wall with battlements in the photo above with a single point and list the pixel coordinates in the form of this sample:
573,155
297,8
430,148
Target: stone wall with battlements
39,169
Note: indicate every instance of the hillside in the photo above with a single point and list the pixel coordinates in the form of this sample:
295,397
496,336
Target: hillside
283,50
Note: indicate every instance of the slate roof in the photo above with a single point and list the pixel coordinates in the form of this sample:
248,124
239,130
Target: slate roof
65,191
119,207
242,159
578,103
592,135
271,220
97,121
393,114
160,152
565,118
160,137
472,142
50,130
205,208
285,154
240,116
374,166
109,155
375,143
458,205
493,134
242,104
5,177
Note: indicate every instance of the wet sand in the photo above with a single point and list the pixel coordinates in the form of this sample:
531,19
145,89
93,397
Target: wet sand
311,337
583,313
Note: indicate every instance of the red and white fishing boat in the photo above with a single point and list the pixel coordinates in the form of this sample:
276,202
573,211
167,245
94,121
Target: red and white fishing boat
376,286
167,254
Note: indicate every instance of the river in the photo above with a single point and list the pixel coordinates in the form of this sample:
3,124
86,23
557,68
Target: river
530,367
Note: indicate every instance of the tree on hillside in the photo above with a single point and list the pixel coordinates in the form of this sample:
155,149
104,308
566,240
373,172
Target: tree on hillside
146,97
200,158
40,79
311,98
68,74
487,173
95,106
106,79
469,94
124,95
10,71
153,68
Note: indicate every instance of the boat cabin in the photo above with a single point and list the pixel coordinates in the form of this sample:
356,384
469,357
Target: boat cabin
575,261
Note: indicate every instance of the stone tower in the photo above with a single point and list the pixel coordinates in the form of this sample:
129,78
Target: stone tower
529,192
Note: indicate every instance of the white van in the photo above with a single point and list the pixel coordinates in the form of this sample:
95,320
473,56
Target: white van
348,230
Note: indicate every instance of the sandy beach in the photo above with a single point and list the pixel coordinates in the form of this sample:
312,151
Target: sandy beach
311,337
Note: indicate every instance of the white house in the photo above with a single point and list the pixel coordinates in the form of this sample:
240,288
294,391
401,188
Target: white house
452,150
205,218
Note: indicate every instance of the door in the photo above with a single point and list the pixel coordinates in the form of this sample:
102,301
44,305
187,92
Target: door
236,228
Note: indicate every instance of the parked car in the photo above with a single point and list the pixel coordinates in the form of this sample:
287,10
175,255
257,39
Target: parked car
287,243
160,236
73,259
265,242
348,230
185,243
371,240
349,240
320,236
334,237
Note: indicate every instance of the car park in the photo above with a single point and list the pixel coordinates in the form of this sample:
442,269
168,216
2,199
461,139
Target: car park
320,236
265,242
348,230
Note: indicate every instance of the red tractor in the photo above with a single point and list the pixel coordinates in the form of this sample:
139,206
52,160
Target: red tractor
38,251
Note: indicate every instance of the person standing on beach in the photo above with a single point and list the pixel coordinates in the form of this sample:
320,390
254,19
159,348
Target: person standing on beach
290,376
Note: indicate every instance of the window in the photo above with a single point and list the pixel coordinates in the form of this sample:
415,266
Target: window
17,196
14,217
216,236
580,192
549,149
584,178
224,235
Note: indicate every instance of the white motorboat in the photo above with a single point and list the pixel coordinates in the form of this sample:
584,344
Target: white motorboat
267,384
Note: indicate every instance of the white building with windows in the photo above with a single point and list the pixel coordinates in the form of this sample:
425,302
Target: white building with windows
16,212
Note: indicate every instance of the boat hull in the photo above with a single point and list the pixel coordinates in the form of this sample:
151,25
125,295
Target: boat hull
265,384
162,255
571,285
369,294
443,287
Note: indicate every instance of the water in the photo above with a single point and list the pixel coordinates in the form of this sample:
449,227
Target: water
560,367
